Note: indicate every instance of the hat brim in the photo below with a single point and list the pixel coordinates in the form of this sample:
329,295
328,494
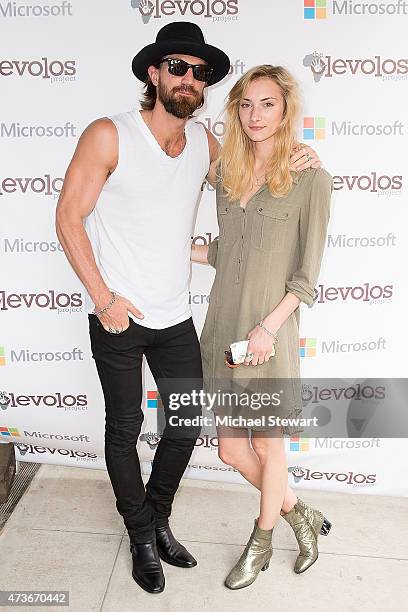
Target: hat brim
153,53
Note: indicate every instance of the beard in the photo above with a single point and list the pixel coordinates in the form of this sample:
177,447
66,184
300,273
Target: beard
179,106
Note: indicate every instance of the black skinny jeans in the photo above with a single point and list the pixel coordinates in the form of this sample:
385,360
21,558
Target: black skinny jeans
173,355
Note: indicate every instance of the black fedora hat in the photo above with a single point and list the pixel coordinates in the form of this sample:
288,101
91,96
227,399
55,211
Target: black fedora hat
185,38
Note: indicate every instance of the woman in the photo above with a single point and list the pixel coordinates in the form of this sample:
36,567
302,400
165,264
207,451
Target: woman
272,225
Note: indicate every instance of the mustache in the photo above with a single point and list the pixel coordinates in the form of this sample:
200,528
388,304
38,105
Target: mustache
186,89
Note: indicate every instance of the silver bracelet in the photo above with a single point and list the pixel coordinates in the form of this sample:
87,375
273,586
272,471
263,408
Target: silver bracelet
112,301
262,326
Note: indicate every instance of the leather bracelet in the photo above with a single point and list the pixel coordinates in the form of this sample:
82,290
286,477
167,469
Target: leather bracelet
112,301
272,334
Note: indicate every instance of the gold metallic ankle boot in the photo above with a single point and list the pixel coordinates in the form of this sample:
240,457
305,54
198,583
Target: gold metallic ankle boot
255,558
307,523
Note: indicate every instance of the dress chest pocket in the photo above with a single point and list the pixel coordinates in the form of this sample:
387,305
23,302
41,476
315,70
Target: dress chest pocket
269,228
225,223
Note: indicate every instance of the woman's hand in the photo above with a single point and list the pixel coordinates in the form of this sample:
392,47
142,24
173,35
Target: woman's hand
260,345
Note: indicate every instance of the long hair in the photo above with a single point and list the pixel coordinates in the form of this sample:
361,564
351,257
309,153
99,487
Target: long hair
237,159
149,95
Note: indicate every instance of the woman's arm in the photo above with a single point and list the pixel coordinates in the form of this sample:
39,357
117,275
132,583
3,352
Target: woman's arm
314,218
206,254
261,343
199,253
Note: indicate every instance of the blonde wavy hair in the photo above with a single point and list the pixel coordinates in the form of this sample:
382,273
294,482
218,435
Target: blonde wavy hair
236,159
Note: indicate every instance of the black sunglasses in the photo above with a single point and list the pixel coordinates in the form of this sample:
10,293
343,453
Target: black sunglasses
178,67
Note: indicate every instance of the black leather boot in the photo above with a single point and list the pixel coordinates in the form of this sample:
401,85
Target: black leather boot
147,569
172,551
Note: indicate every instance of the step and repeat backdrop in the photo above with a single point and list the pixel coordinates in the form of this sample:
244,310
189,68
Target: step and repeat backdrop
63,64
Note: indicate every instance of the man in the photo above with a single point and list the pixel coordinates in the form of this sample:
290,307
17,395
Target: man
135,180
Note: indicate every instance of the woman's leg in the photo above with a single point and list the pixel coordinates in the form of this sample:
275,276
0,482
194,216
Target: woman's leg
234,449
270,450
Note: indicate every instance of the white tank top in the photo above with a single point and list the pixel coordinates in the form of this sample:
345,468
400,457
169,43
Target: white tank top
141,227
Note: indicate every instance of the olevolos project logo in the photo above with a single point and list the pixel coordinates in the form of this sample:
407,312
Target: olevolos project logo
49,299
364,293
385,68
216,10
303,474
46,184
65,401
29,449
50,69
380,183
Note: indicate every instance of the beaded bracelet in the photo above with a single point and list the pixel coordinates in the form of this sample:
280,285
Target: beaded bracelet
112,301
262,326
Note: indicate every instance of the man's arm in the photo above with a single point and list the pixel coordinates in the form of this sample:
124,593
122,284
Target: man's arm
95,157
214,149
302,157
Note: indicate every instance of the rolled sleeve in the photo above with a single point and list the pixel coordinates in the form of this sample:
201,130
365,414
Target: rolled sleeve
212,253
314,218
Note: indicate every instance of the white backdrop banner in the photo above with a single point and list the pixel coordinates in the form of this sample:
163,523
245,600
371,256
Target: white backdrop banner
64,64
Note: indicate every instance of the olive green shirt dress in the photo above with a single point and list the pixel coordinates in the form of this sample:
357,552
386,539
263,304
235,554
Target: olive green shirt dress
270,247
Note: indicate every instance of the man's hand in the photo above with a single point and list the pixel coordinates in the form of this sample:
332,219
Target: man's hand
117,318
303,157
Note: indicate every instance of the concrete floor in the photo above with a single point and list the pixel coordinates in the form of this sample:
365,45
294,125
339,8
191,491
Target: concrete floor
65,534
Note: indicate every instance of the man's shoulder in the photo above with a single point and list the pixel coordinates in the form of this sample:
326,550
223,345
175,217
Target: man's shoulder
99,139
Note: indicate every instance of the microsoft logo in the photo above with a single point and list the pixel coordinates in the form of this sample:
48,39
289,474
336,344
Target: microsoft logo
315,9
307,347
2,356
299,444
152,399
9,431
314,128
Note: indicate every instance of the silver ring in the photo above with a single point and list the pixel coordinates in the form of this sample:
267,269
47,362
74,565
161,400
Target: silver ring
114,331
249,356
308,156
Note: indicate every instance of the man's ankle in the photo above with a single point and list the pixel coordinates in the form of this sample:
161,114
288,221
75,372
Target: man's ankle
143,538
162,524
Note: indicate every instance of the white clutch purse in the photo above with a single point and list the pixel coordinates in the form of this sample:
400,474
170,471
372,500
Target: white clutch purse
239,351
